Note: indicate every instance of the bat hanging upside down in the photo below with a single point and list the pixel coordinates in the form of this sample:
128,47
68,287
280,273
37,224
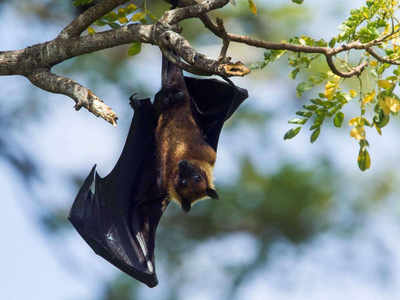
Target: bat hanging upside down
169,154
185,159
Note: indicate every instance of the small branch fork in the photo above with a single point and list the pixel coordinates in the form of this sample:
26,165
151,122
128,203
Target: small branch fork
35,62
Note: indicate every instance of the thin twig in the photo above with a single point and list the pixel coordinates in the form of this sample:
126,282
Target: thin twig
382,59
225,40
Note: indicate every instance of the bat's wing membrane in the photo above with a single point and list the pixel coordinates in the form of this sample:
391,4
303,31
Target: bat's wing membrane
114,214
214,102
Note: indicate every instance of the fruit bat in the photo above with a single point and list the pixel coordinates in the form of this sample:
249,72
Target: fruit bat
118,215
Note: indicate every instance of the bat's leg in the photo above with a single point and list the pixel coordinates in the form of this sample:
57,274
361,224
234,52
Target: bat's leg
137,103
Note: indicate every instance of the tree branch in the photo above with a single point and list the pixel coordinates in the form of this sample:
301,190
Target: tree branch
173,40
82,96
35,62
382,59
178,14
225,40
48,54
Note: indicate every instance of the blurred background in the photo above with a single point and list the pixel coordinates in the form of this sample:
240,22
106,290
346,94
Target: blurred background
294,220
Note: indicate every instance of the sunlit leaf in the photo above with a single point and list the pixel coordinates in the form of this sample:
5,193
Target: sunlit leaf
315,134
253,7
298,121
135,49
338,120
364,160
292,133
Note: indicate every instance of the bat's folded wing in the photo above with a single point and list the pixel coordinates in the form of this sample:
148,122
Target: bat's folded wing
115,214
214,102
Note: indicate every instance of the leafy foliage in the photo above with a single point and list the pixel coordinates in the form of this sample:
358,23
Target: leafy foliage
374,23
125,15
82,2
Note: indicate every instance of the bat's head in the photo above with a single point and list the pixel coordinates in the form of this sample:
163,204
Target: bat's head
193,182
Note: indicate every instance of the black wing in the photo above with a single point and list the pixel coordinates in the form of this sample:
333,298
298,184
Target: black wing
118,215
214,102
114,214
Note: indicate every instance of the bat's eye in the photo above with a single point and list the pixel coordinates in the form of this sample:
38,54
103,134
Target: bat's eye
197,178
184,182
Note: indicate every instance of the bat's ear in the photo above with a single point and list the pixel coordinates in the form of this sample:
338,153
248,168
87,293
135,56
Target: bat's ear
212,193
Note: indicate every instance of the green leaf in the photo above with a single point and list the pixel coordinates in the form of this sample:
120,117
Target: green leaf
81,2
381,119
306,114
292,133
315,135
338,120
100,23
302,87
332,43
111,16
364,160
135,49
298,121
114,25
294,73
311,107
298,1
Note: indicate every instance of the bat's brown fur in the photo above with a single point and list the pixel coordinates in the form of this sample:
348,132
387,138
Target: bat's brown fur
180,147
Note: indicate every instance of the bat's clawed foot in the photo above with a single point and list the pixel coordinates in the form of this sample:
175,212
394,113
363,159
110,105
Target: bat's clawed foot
137,103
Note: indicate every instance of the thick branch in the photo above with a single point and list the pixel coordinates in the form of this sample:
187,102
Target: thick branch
83,21
48,54
53,83
173,40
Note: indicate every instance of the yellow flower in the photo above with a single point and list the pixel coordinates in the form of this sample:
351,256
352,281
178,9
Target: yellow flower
369,97
331,86
91,30
123,20
373,63
385,84
353,93
393,104
358,133
356,121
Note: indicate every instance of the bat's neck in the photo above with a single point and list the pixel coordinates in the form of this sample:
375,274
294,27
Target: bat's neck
172,75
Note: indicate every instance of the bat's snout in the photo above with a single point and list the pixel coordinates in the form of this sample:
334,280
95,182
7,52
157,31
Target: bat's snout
186,205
